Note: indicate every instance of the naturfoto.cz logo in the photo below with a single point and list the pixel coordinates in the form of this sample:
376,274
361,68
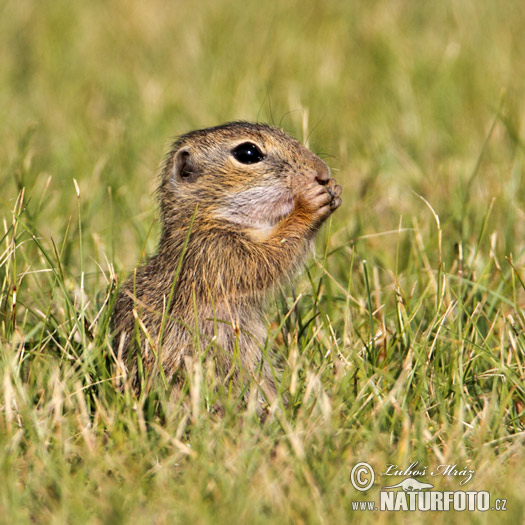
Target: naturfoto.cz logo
411,494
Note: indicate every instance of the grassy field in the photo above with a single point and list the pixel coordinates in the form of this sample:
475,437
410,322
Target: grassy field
403,338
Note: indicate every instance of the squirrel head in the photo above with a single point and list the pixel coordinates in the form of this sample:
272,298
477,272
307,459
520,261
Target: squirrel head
242,173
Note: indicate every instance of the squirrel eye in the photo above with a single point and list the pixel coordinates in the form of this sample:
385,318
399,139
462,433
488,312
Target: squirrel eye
247,153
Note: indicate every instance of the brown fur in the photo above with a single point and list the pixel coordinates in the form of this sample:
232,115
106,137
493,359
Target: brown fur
247,226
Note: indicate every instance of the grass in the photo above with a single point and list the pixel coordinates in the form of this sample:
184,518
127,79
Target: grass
401,341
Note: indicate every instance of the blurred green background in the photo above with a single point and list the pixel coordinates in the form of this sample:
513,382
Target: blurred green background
417,356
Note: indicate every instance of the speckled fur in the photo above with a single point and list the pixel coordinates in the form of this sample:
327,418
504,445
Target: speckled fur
252,227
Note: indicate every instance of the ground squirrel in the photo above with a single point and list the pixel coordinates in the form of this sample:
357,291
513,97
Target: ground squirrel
239,206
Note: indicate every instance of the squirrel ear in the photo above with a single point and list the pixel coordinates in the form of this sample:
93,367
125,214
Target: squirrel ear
183,166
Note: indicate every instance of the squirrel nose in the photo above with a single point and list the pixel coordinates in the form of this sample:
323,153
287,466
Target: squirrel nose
322,178
323,173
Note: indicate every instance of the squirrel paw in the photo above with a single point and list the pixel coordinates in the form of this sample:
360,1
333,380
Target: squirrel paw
334,190
322,199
